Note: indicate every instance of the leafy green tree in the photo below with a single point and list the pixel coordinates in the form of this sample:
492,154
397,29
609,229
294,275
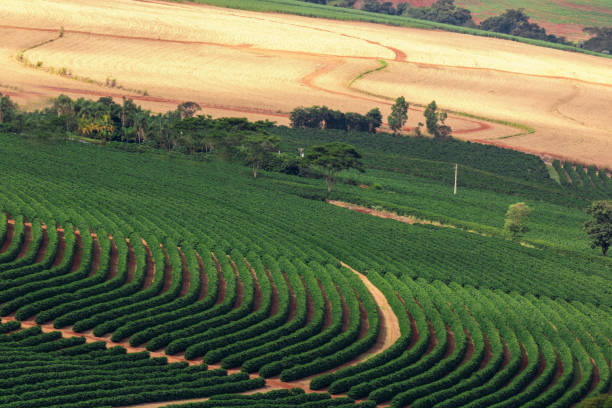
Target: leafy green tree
599,228
601,40
8,109
258,149
374,119
399,114
434,121
332,158
188,109
516,218
516,22
443,11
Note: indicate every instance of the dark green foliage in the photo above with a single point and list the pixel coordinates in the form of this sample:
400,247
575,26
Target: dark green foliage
443,11
601,40
399,114
318,117
516,22
599,228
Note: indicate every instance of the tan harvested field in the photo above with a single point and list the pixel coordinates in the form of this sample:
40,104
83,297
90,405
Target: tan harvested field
239,63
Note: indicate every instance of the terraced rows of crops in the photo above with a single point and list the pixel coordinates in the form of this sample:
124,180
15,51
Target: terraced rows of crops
166,256
589,181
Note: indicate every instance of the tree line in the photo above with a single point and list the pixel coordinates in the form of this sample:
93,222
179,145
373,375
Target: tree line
322,117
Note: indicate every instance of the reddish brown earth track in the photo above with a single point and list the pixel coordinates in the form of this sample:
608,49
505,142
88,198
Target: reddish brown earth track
61,247
346,315
239,285
222,283
256,287
328,311
27,241
203,278
274,304
150,265
132,264
114,260
43,248
292,299
167,270
78,253
185,271
10,232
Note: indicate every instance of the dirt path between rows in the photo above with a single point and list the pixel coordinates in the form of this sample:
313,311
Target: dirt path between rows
389,325
10,231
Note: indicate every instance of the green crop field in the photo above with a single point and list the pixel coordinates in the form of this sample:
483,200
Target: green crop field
216,283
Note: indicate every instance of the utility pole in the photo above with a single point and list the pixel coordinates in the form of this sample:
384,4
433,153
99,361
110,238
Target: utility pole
455,189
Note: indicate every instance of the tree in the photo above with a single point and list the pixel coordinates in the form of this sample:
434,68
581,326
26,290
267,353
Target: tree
374,119
332,158
258,149
599,228
399,114
516,217
434,121
8,109
601,40
516,22
188,109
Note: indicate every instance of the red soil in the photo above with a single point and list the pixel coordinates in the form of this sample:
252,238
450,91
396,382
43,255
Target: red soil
78,253
596,377
203,278
150,265
292,299
469,351
364,324
27,242
274,304
239,285
414,330
10,231
167,270
309,302
488,354
185,272
43,248
541,364
328,312
61,248
132,265
452,344
95,255
257,287
506,357
346,315
222,284
114,260
433,340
